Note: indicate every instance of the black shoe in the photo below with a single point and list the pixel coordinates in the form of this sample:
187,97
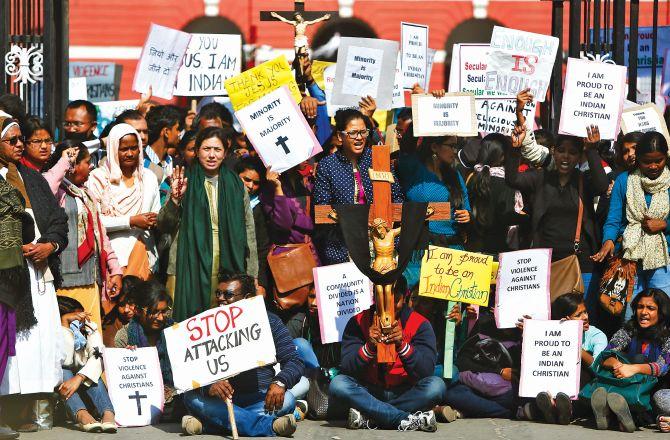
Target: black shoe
546,407
619,406
599,407
564,409
8,434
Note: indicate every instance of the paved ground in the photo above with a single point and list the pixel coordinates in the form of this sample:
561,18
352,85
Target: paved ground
484,429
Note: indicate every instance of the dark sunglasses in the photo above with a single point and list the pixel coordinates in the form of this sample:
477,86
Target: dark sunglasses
226,294
14,140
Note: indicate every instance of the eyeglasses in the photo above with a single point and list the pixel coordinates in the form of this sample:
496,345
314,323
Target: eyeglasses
353,134
77,124
227,294
39,142
167,313
14,140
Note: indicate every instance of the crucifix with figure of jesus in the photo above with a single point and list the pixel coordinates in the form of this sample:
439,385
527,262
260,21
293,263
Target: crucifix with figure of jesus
382,216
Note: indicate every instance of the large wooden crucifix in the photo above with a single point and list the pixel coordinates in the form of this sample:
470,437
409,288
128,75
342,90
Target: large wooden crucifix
382,216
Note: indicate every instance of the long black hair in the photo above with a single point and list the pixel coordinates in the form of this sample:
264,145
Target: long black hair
448,172
651,142
566,305
491,154
659,333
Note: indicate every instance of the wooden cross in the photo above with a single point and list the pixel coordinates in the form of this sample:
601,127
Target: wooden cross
383,208
298,6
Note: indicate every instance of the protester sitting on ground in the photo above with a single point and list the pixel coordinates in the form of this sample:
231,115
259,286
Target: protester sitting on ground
559,408
262,404
82,370
123,310
399,396
642,347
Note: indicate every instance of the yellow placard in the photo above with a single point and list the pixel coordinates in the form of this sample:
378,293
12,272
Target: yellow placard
257,82
494,272
456,275
317,72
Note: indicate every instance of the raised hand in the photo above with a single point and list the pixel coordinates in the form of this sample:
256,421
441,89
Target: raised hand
592,136
518,136
368,106
178,185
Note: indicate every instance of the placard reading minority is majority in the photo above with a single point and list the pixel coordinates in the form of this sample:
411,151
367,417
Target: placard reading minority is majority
210,60
519,60
414,38
593,94
342,291
220,343
456,275
135,385
550,357
453,114
523,286
278,130
161,58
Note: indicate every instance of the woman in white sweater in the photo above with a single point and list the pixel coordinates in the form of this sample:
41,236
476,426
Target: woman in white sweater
128,198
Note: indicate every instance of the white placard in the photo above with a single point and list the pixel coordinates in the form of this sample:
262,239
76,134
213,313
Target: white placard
550,358
518,60
102,79
210,60
454,115
278,130
593,94
329,82
342,291
398,100
414,38
665,78
109,110
522,286
365,67
77,88
499,115
161,59
135,385
431,61
220,343
644,118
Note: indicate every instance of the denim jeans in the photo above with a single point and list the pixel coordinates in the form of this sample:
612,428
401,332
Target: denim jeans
306,353
387,407
95,395
474,405
250,415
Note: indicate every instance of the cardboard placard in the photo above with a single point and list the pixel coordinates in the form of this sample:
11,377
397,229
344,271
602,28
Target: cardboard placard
329,83
452,115
210,60
414,54
644,118
161,58
135,385
342,291
278,130
456,275
551,358
593,94
518,60
77,89
523,286
365,67
499,115
220,343
257,82
103,79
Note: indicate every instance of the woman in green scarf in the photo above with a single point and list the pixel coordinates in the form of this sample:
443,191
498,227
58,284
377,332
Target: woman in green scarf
212,225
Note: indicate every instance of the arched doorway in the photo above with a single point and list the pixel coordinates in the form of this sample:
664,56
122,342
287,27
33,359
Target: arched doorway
326,38
212,25
472,30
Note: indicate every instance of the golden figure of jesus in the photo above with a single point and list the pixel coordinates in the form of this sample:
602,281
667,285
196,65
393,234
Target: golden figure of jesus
383,237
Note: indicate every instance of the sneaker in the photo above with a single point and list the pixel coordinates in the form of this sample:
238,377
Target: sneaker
599,407
191,426
447,414
619,406
7,433
564,409
419,421
546,406
284,426
300,410
529,412
428,421
356,419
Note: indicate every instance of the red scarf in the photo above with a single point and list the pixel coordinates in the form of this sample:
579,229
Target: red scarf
87,247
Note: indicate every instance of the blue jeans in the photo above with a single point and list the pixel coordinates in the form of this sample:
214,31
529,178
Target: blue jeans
387,407
473,405
250,415
95,395
306,353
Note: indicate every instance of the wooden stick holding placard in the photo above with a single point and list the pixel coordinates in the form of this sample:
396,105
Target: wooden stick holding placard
231,418
383,214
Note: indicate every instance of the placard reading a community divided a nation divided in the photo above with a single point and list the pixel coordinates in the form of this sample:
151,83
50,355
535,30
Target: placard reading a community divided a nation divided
278,130
523,286
593,95
210,60
135,385
550,357
453,114
519,60
644,118
220,343
414,38
254,83
365,67
342,291
161,58
456,275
